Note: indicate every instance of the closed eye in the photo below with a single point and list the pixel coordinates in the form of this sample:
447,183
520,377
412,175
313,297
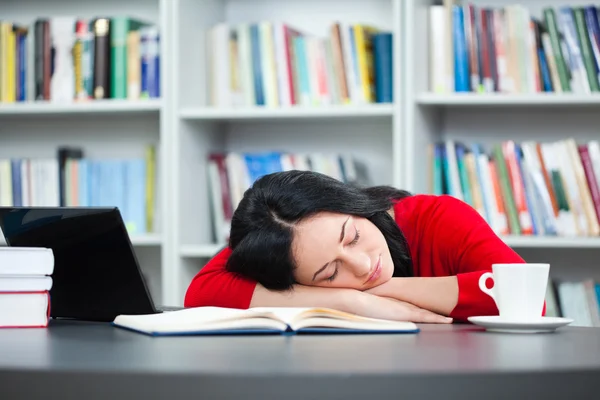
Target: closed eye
332,277
356,237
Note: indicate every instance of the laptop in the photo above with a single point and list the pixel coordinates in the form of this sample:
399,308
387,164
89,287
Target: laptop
96,273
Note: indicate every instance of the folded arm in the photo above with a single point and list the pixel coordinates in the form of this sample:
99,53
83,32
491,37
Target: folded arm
438,294
215,286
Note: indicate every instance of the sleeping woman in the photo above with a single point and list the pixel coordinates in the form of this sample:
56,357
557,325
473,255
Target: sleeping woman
303,239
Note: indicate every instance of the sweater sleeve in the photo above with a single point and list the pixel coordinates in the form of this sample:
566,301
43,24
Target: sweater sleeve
217,287
469,247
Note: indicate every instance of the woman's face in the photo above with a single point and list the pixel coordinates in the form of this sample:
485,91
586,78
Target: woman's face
342,251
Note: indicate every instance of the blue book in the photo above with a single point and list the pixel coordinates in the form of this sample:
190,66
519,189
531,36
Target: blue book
382,62
461,59
256,65
260,164
303,69
274,321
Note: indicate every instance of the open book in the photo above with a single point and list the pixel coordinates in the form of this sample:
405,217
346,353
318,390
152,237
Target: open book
275,320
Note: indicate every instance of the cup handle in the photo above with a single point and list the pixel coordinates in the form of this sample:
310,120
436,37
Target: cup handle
482,280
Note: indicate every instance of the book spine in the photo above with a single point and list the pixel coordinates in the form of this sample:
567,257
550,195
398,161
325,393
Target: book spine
119,28
590,177
383,61
587,54
555,40
102,58
461,60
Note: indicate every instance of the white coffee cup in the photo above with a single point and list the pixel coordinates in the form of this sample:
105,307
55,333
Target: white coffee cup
519,289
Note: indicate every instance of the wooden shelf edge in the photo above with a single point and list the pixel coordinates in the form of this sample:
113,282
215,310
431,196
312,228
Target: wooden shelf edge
93,106
200,250
574,242
356,111
499,99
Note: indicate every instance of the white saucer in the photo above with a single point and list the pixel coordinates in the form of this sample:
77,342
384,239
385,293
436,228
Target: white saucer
495,323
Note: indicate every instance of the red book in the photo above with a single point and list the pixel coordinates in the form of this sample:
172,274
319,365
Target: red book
590,177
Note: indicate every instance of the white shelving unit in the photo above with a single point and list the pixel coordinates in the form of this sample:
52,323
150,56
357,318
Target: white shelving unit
104,129
488,119
372,132
391,138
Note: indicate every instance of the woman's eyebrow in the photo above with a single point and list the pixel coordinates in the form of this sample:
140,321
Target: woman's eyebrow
320,270
344,229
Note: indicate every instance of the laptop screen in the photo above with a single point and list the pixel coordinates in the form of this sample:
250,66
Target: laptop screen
96,274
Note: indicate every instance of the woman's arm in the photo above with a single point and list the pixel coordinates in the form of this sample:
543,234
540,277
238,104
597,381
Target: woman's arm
463,248
215,286
439,294
349,300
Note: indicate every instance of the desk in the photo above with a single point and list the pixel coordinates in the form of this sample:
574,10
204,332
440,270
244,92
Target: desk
91,361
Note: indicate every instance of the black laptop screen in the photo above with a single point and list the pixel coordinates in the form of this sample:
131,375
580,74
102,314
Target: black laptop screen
96,274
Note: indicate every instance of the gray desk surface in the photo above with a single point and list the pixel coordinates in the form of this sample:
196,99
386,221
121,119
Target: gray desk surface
90,360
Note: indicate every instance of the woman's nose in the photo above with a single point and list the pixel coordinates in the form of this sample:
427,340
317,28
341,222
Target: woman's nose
358,264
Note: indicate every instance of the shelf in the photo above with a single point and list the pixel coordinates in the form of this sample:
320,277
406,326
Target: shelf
256,113
552,242
146,240
91,107
200,251
541,99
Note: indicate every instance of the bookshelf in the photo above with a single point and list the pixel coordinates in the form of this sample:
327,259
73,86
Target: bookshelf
437,116
371,131
393,138
104,129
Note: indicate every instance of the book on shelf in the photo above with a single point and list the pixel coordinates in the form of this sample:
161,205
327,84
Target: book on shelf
263,320
25,283
73,180
529,188
230,174
66,59
274,64
510,50
576,299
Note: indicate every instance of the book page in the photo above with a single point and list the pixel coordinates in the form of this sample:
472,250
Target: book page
191,319
304,317
358,325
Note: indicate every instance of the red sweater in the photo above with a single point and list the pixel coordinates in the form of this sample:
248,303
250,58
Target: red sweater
445,236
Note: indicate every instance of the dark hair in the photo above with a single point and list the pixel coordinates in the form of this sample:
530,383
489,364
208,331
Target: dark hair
262,225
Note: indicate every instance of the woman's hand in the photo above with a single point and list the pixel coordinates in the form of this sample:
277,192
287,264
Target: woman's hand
438,294
373,306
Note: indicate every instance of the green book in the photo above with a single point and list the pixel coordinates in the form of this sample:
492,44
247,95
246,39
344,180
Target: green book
559,191
463,175
120,28
438,175
561,66
507,193
586,49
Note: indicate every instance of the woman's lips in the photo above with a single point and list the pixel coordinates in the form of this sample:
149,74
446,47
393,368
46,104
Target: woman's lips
376,272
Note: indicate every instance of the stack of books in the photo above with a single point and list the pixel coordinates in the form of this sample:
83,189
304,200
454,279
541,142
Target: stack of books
25,282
